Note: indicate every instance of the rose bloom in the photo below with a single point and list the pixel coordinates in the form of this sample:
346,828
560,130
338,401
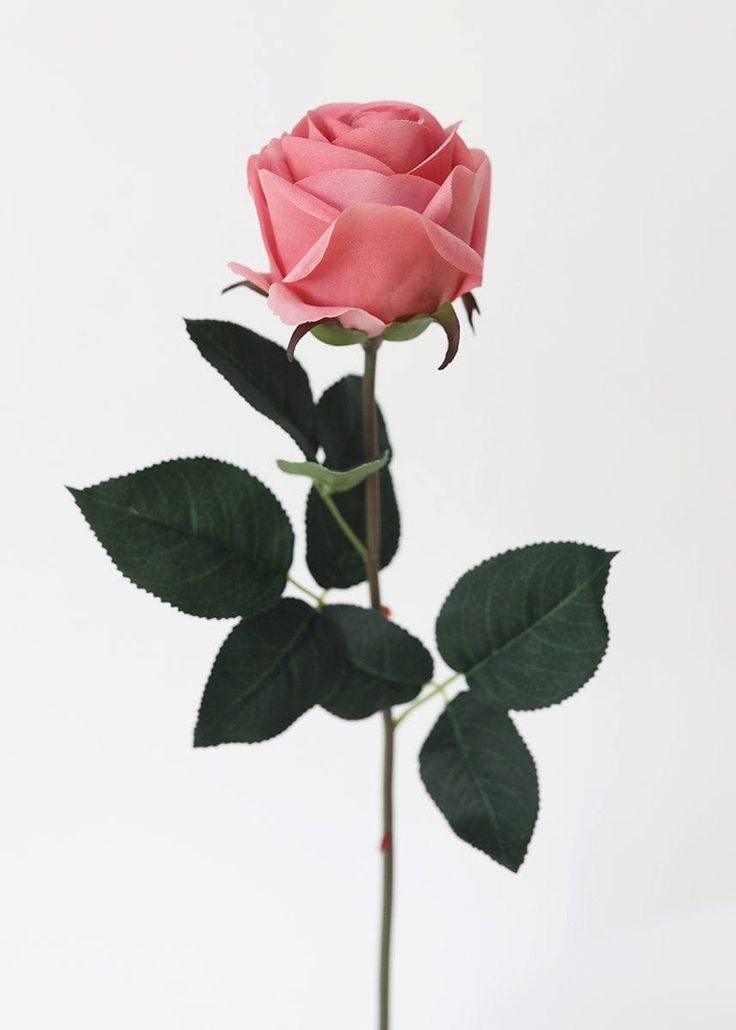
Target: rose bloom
370,213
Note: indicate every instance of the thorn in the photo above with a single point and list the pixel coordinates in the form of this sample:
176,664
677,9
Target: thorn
386,842
471,306
386,611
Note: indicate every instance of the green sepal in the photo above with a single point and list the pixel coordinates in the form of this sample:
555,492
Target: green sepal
385,665
409,329
527,627
329,481
481,776
332,332
203,535
446,316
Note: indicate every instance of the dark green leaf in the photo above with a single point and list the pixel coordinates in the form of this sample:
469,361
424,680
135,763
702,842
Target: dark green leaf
482,778
270,670
527,627
203,535
329,480
340,424
385,664
261,373
331,557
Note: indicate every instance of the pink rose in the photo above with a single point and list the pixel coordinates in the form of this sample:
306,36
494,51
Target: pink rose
370,213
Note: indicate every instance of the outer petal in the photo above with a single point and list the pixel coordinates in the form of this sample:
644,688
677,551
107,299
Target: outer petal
273,158
456,202
262,279
264,221
310,156
298,219
480,225
400,145
388,261
292,310
461,155
345,186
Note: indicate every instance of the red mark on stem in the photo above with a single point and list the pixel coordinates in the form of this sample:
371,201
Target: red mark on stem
386,612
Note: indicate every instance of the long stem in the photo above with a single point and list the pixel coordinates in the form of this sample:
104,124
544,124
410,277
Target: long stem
372,562
372,483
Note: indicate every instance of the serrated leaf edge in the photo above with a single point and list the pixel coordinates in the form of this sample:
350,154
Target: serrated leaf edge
314,613
475,847
309,454
543,543
171,461
375,673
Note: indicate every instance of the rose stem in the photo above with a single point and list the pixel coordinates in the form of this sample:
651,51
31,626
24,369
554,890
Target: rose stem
372,561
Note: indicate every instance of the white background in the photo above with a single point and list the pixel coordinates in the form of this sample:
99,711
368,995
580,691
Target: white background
148,885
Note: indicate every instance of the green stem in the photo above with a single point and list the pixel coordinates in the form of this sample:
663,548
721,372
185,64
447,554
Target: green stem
343,524
372,563
319,598
437,688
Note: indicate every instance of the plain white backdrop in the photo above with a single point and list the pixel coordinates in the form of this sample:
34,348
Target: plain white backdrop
145,884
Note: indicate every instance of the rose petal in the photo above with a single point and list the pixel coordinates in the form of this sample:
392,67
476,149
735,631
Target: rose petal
309,156
309,130
400,145
291,309
259,199
456,201
392,110
438,165
461,155
388,261
480,226
455,252
341,187
298,219
272,157
340,110
262,279
330,126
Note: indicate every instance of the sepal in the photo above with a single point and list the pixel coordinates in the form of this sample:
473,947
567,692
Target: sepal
446,316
